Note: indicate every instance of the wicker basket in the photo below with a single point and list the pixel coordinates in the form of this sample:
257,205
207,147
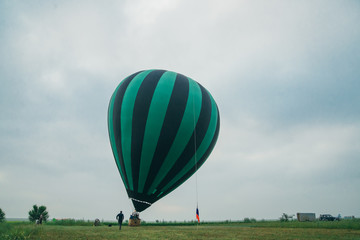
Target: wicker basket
133,222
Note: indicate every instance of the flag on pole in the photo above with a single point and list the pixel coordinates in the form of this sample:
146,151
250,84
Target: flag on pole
197,214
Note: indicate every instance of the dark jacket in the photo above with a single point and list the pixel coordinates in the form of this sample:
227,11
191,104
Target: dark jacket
120,217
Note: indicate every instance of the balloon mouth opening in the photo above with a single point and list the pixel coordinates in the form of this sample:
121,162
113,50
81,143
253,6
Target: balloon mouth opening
140,205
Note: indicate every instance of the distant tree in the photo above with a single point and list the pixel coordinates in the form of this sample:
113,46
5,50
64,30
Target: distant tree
247,220
2,216
34,214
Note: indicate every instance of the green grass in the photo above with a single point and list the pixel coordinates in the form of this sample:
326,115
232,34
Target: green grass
18,231
343,224
346,229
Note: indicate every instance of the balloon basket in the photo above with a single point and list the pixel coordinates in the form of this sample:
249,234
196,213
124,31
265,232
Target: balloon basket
134,222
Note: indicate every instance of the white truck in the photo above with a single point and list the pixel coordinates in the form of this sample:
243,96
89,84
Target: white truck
306,217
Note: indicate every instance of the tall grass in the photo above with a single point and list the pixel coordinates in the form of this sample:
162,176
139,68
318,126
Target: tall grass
18,231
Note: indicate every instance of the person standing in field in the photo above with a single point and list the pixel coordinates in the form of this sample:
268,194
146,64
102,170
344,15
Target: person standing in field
120,218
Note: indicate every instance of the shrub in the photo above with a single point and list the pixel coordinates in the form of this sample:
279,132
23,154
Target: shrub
247,220
2,215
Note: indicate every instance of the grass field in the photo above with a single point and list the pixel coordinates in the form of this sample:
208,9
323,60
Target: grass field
260,230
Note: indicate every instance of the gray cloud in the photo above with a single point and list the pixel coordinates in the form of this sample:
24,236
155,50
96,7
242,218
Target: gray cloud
284,75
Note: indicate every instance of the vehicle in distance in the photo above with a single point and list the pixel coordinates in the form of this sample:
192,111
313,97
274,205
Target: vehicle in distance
328,217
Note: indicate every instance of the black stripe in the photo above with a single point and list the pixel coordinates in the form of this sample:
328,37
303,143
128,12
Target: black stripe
200,129
117,121
172,121
200,162
213,141
140,114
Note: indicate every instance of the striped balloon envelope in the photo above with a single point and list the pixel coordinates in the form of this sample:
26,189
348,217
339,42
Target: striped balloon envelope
162,127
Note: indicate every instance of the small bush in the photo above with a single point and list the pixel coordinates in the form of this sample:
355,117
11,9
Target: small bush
2,216
248,220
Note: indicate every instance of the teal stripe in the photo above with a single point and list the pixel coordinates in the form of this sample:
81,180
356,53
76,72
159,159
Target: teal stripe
155,119
184,133
202,148
111,133
126,121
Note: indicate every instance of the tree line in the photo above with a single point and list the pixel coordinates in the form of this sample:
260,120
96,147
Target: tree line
36,214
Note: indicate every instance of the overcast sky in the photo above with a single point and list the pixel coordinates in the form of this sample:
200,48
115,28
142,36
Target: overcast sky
285,76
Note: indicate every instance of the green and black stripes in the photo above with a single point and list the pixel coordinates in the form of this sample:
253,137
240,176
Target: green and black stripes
162,127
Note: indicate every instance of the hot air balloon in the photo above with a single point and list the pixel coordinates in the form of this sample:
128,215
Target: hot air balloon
162,127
